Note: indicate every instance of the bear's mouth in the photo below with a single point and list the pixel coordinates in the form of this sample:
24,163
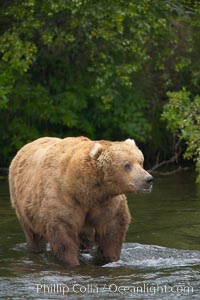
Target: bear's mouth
146,190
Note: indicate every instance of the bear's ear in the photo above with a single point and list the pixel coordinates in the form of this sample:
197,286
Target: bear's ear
96,151
130,141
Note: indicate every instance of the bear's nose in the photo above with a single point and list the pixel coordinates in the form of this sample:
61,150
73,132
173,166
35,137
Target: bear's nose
149,179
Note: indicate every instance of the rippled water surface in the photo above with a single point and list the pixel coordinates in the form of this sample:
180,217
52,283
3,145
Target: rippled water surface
160,258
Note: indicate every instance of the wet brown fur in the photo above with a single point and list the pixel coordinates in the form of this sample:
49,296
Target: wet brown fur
64,196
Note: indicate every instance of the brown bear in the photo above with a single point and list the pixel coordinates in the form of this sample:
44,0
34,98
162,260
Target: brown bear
70,192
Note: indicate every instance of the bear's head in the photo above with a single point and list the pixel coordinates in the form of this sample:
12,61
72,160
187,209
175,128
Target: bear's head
121,166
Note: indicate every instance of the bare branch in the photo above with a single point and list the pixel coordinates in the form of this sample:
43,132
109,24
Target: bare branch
165,162
179,169
173,159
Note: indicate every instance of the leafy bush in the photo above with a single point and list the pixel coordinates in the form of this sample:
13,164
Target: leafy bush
182,114
100,69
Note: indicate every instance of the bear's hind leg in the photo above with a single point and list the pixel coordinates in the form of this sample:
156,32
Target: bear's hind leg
35,242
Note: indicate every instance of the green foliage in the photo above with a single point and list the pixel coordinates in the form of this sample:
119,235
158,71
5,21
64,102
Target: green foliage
183,117
100,69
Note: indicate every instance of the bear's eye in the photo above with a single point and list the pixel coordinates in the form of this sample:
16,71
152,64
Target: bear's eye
127,166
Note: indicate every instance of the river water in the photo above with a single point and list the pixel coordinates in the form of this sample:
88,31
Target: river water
160,258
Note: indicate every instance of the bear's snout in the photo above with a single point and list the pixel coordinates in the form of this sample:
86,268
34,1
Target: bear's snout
148,184
143,182
149,180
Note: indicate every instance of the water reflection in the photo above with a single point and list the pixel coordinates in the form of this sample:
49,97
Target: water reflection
162,249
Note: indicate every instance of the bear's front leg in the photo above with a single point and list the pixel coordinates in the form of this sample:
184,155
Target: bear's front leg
64,243
112,227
